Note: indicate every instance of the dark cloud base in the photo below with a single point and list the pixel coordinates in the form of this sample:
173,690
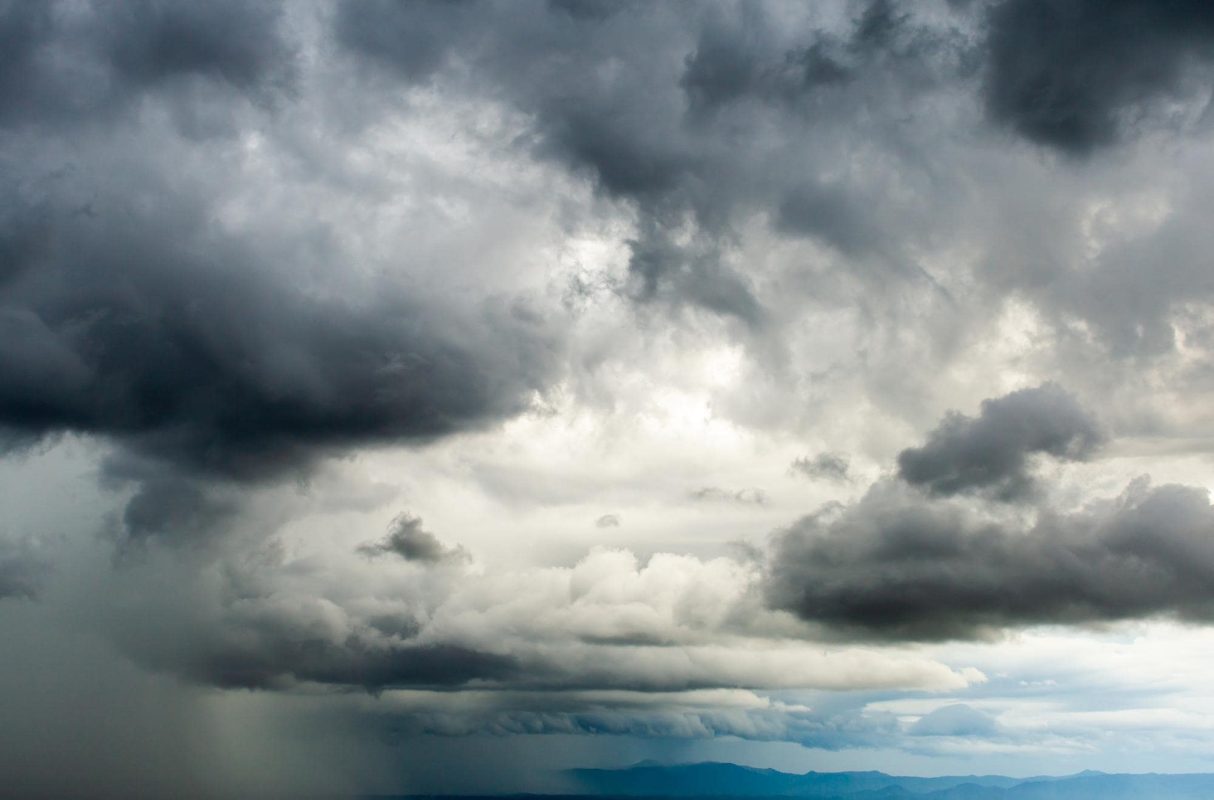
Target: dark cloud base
900,566
914,559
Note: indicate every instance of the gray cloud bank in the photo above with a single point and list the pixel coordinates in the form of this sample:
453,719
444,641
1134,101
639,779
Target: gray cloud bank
899,566
911,560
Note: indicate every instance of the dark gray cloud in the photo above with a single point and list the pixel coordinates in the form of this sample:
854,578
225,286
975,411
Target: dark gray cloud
193,349
67,64
828,466
273,661
898,565
1079,74
130,310
651,103
608,521
407,539
148,41
121,327
990,452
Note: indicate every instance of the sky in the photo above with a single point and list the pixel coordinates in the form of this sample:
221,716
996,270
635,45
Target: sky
436,396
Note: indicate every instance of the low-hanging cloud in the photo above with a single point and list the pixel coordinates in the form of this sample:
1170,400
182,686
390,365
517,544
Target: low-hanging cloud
211,363
991,452
609,622
409,540
900,565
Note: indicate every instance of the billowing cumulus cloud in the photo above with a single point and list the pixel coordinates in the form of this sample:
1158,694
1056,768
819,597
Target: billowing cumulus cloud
902,563
147,325
142,304
898,566
154,328
991,452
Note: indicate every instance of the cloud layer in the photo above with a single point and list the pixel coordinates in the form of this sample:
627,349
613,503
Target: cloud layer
612,296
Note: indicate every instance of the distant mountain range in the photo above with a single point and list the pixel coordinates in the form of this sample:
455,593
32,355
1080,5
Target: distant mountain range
732,780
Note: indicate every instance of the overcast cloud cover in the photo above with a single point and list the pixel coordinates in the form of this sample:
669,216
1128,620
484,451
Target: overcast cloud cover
430,396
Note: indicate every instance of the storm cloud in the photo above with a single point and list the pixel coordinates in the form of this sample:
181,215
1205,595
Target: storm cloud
1076,76
991,452
270,274
918,559
118,324
898,566
215,351
407,539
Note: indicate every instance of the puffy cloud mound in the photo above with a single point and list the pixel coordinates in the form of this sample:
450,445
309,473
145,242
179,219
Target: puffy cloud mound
898,565
410,541
991,452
